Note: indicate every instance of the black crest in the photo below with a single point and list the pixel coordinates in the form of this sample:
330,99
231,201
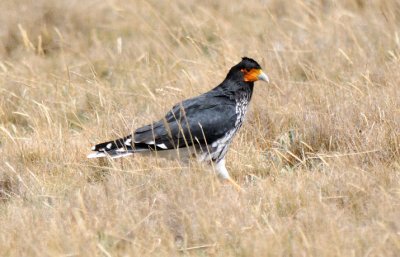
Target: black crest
248,63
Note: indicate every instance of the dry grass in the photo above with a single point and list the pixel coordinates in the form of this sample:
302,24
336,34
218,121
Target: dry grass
319,155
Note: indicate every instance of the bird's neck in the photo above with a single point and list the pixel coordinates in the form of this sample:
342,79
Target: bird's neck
235,88
244,92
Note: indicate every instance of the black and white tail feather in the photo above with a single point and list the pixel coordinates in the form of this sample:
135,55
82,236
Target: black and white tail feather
123,147
114,149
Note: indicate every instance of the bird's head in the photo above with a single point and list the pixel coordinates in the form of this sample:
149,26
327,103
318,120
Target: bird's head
248,70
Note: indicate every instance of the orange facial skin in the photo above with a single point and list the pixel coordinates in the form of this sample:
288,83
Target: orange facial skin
251,75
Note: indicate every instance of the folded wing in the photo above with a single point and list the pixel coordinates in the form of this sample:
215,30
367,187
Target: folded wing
194,122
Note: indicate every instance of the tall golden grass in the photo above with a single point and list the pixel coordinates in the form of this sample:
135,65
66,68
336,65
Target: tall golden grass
318,156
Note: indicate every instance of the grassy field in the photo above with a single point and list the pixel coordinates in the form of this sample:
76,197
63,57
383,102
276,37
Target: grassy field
318,156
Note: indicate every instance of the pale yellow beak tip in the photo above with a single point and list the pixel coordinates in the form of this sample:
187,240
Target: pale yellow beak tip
263,77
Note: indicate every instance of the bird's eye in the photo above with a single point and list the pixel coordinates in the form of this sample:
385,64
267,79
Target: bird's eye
244,70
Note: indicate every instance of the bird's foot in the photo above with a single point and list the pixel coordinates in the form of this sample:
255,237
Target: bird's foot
236,185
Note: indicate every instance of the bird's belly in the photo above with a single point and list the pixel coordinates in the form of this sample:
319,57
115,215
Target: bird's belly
218,149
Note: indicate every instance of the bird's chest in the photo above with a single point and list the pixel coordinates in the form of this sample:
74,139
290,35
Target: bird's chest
242,102
220,147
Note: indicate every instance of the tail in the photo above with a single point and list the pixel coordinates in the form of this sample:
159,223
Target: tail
125,146
114,149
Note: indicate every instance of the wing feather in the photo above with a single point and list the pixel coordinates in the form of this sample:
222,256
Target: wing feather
195,121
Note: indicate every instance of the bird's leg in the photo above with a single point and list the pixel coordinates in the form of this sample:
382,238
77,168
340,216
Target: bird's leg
223,172
236,185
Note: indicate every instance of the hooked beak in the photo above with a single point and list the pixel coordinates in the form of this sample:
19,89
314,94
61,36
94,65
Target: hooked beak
262,76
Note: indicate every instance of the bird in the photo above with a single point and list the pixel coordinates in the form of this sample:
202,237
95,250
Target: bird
203,126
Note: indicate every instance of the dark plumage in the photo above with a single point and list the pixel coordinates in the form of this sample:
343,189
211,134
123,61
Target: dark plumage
204,125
